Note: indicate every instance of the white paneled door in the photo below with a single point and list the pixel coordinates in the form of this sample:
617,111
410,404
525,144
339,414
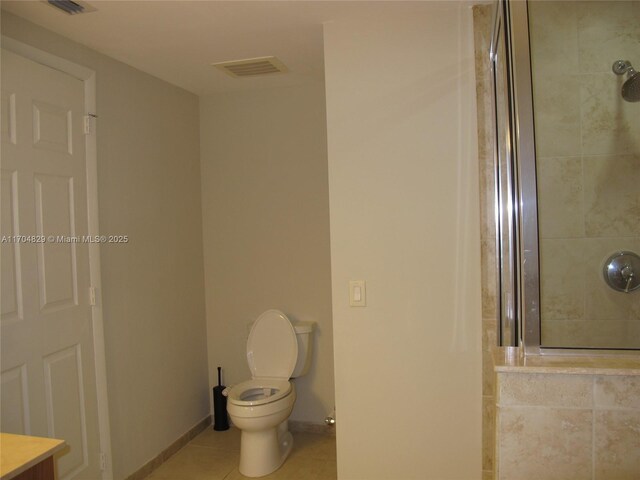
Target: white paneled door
48,364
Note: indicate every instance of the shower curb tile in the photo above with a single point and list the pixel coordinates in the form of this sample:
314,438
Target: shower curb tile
617,443
575,391
617,392
561,439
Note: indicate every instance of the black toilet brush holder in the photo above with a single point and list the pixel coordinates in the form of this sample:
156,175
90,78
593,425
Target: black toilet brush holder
220,416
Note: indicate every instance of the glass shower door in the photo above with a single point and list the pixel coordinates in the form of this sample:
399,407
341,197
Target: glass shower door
588,172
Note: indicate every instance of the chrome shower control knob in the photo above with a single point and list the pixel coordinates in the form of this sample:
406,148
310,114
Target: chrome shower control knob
622,271
620,67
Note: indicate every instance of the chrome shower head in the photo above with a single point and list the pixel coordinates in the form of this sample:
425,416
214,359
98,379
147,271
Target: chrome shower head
631,86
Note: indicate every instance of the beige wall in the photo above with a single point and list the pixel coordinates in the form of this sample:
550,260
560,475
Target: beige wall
266,228
153,299
588,161
403,187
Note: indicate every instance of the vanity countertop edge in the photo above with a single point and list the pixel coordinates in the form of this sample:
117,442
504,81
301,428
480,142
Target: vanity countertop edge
18,453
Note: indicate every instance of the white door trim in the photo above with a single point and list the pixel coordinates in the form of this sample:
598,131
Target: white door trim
88,77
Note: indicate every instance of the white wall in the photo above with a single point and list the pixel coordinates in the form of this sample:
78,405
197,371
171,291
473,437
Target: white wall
266,228
153,298
403,192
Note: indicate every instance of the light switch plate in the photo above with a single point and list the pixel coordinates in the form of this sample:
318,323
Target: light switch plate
357,293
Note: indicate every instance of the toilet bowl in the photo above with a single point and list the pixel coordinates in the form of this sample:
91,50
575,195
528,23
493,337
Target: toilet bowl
261,406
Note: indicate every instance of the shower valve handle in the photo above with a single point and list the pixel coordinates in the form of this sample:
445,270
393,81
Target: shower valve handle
620,271
627,275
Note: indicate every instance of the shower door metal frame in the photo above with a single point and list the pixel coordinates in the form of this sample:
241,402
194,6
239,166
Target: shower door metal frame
517,212
504,181
527,177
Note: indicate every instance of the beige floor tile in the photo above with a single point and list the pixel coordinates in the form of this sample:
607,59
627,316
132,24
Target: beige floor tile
313,446
194,462
228,440
307,469
215,456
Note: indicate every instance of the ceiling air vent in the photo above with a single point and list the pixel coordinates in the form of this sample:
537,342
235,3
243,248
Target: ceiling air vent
70,7
252,67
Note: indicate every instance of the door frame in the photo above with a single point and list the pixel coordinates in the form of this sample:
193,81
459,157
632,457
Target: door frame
88,78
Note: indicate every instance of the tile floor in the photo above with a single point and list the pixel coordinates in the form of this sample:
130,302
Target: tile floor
215,456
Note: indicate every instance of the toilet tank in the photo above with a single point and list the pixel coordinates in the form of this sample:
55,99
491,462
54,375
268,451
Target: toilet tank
304,335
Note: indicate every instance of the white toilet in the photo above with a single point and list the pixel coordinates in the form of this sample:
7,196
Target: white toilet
260,407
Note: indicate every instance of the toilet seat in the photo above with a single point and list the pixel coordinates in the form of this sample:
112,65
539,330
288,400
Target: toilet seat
258,391
272,352
272,347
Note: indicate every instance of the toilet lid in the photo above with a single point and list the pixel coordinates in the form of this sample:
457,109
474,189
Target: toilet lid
272,348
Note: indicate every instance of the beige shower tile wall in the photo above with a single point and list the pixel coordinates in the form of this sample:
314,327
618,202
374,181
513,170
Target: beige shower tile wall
482,19
588,148
567,427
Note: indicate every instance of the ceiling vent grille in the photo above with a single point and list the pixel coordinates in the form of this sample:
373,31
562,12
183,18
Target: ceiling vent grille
70,7
252,67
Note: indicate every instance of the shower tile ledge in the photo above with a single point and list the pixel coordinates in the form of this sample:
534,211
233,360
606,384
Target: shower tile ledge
509,359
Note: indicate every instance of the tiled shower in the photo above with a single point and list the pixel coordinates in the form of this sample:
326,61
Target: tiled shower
588,164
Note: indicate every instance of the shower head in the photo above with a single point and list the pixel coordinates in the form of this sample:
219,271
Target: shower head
631,86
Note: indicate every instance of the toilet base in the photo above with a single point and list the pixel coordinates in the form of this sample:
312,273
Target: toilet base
263,452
